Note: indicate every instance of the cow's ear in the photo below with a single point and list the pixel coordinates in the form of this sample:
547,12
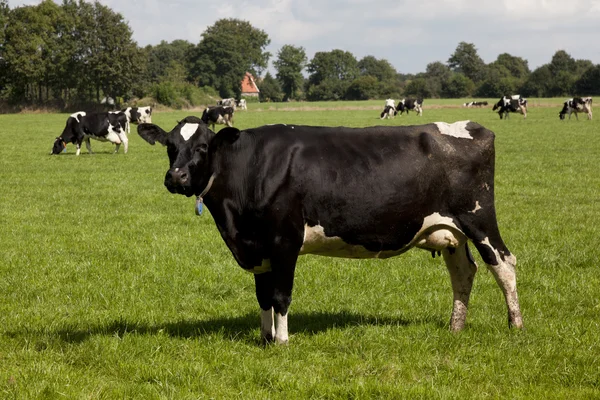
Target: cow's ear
229,134
152,133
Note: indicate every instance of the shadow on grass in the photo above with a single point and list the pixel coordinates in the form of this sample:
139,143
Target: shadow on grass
240,328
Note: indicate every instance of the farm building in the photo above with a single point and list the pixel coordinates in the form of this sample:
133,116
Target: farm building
249,88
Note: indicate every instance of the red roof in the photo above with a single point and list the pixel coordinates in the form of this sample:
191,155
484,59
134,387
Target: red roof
248,84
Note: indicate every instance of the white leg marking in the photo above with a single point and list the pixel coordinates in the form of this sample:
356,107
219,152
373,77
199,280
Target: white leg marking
267,325
281,337
79,149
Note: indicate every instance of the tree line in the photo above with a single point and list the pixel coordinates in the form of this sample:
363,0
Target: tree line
80,52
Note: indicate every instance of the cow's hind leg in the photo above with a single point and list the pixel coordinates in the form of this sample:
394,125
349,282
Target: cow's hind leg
502,264
87,145
462,271
264,295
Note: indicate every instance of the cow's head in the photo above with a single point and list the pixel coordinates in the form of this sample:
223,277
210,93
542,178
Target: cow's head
59,146
188,150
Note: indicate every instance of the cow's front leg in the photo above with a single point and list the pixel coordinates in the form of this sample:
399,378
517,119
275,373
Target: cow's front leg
462,270
264,295
125,142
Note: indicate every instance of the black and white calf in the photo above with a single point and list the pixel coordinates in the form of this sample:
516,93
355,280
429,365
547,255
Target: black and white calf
577,105
280,191
105,127
405,105
390,102
388,112
242,104
137,115
508,104
221,115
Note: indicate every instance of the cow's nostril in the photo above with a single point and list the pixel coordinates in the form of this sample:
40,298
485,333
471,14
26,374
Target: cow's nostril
183,177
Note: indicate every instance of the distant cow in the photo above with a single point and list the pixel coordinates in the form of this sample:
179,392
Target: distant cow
391,103
405,105
577,105
137,115
230,102
220,115
105,127
388,112
242,104
475,104
280,191
508,104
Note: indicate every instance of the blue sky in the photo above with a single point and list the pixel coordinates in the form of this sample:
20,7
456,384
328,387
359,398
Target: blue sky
409,34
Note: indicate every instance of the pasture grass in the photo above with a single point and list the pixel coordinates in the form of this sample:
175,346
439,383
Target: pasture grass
111,287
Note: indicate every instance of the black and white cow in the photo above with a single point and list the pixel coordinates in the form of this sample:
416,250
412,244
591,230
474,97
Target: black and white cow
137,115
577,105
508,104
280,191
405,105
241,104
388,112
105,127
475,104
220,115
227,103
390,102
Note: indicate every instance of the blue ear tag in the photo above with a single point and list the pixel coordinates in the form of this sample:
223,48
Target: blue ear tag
199,206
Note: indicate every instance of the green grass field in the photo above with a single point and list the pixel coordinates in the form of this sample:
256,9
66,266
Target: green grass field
111,287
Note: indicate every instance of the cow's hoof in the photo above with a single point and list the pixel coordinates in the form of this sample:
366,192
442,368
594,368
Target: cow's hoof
281,341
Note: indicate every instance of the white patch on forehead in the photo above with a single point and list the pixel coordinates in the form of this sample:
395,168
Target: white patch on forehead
188,130
457,129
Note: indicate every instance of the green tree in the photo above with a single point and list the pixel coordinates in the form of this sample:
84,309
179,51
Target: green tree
380,69
589,83
228,49
166,55
291,60
270,89
458,86
331,73
517,66
417,88
437,74
562,61
466,60
363,88
538,83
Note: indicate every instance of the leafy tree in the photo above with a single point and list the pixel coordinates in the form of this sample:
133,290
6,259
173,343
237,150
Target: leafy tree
291,60
382,70
458,86
270,90
538,83
517,66
228,49
562,61
166,55
417,88
466,60
363,88
589,83
437,74
331,73
335,64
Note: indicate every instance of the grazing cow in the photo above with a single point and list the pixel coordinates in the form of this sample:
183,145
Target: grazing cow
508,104
390,102
475,104
577,105
277,192
227,103
388,112
137,115
105,127
221,115
242,104
405,105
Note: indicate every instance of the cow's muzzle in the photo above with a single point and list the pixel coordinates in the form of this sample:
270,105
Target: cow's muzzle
177,180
